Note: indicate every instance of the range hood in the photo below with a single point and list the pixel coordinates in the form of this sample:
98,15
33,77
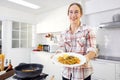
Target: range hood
114,24
110,25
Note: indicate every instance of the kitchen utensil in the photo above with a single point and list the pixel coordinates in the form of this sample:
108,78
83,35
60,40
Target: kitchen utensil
2,57
28,70
116,18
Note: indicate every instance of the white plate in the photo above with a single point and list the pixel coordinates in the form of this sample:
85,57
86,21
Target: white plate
81,57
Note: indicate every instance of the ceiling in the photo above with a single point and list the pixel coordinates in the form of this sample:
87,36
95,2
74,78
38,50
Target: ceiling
45,5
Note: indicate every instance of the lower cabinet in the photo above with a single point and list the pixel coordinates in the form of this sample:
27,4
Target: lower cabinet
117,71
97,78
49,67
103,70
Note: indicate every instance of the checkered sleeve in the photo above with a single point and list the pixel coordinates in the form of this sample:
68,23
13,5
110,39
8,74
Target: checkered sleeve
91,41
61,43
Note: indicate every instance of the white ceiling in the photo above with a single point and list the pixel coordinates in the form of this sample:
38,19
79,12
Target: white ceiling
45,5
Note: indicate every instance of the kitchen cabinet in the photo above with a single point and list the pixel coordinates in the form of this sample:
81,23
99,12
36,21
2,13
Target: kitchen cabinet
50,26
54,21
21,35
117,71
94,6
103,70
49,67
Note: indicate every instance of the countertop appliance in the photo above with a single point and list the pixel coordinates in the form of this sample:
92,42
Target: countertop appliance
116,18
50,48
42,76
114,24
46,48
25,70
110,25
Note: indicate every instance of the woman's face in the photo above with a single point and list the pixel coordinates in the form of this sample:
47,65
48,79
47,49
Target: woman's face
74,14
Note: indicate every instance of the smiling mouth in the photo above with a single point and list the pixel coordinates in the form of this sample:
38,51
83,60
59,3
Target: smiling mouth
73,19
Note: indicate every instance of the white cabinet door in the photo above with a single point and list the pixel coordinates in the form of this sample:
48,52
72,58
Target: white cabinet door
21,35
55,21
49,68
97,78
117,71
103,70
93,6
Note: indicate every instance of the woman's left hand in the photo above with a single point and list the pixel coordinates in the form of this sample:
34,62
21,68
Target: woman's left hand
86,63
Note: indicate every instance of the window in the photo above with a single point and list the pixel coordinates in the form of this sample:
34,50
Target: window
21,35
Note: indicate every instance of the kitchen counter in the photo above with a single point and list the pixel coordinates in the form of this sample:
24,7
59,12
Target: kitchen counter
109,58
99,64
50,68
99,58
42,52
107,61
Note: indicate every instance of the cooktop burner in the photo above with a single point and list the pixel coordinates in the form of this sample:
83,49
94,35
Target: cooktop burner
40,77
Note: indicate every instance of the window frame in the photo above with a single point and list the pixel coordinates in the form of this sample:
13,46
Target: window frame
19,30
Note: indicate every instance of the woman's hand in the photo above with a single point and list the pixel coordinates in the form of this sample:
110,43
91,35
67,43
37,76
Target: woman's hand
56,52
86,63
87,58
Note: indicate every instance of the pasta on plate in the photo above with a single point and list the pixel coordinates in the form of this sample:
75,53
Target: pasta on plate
68,59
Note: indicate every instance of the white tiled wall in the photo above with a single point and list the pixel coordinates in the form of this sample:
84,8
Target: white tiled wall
43,40
108,39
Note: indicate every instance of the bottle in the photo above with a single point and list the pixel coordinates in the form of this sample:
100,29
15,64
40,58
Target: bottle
6,64
2,57
10,67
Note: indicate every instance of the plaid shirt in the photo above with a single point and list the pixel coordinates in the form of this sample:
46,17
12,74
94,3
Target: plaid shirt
81,42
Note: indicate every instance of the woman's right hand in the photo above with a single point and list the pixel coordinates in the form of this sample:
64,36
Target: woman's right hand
51,56
55,53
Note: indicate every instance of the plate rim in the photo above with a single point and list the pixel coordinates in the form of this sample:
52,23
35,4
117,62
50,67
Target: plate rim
71,53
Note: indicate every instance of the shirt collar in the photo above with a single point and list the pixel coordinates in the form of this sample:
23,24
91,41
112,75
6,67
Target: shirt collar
81,28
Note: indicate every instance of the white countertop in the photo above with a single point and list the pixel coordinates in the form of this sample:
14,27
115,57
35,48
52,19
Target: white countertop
102,60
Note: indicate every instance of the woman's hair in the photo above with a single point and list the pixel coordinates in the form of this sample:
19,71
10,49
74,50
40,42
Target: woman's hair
80,7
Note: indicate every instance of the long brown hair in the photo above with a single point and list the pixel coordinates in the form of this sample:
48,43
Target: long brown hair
80,7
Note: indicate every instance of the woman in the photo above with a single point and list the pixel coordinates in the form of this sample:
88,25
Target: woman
79,39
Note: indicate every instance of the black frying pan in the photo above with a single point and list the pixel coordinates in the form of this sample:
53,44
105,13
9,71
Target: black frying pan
28,70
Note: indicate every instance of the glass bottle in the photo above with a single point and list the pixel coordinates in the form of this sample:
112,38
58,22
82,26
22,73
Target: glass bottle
9,66
6,64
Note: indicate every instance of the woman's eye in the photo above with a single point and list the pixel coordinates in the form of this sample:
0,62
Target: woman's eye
70,12
73,12
76,12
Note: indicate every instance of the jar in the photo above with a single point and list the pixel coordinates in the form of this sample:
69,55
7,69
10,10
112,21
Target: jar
116,18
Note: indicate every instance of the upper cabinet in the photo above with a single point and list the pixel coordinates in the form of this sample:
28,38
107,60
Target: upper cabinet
53,21
21,35
93,6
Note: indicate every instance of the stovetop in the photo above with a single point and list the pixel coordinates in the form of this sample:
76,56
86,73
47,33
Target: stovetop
40,77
